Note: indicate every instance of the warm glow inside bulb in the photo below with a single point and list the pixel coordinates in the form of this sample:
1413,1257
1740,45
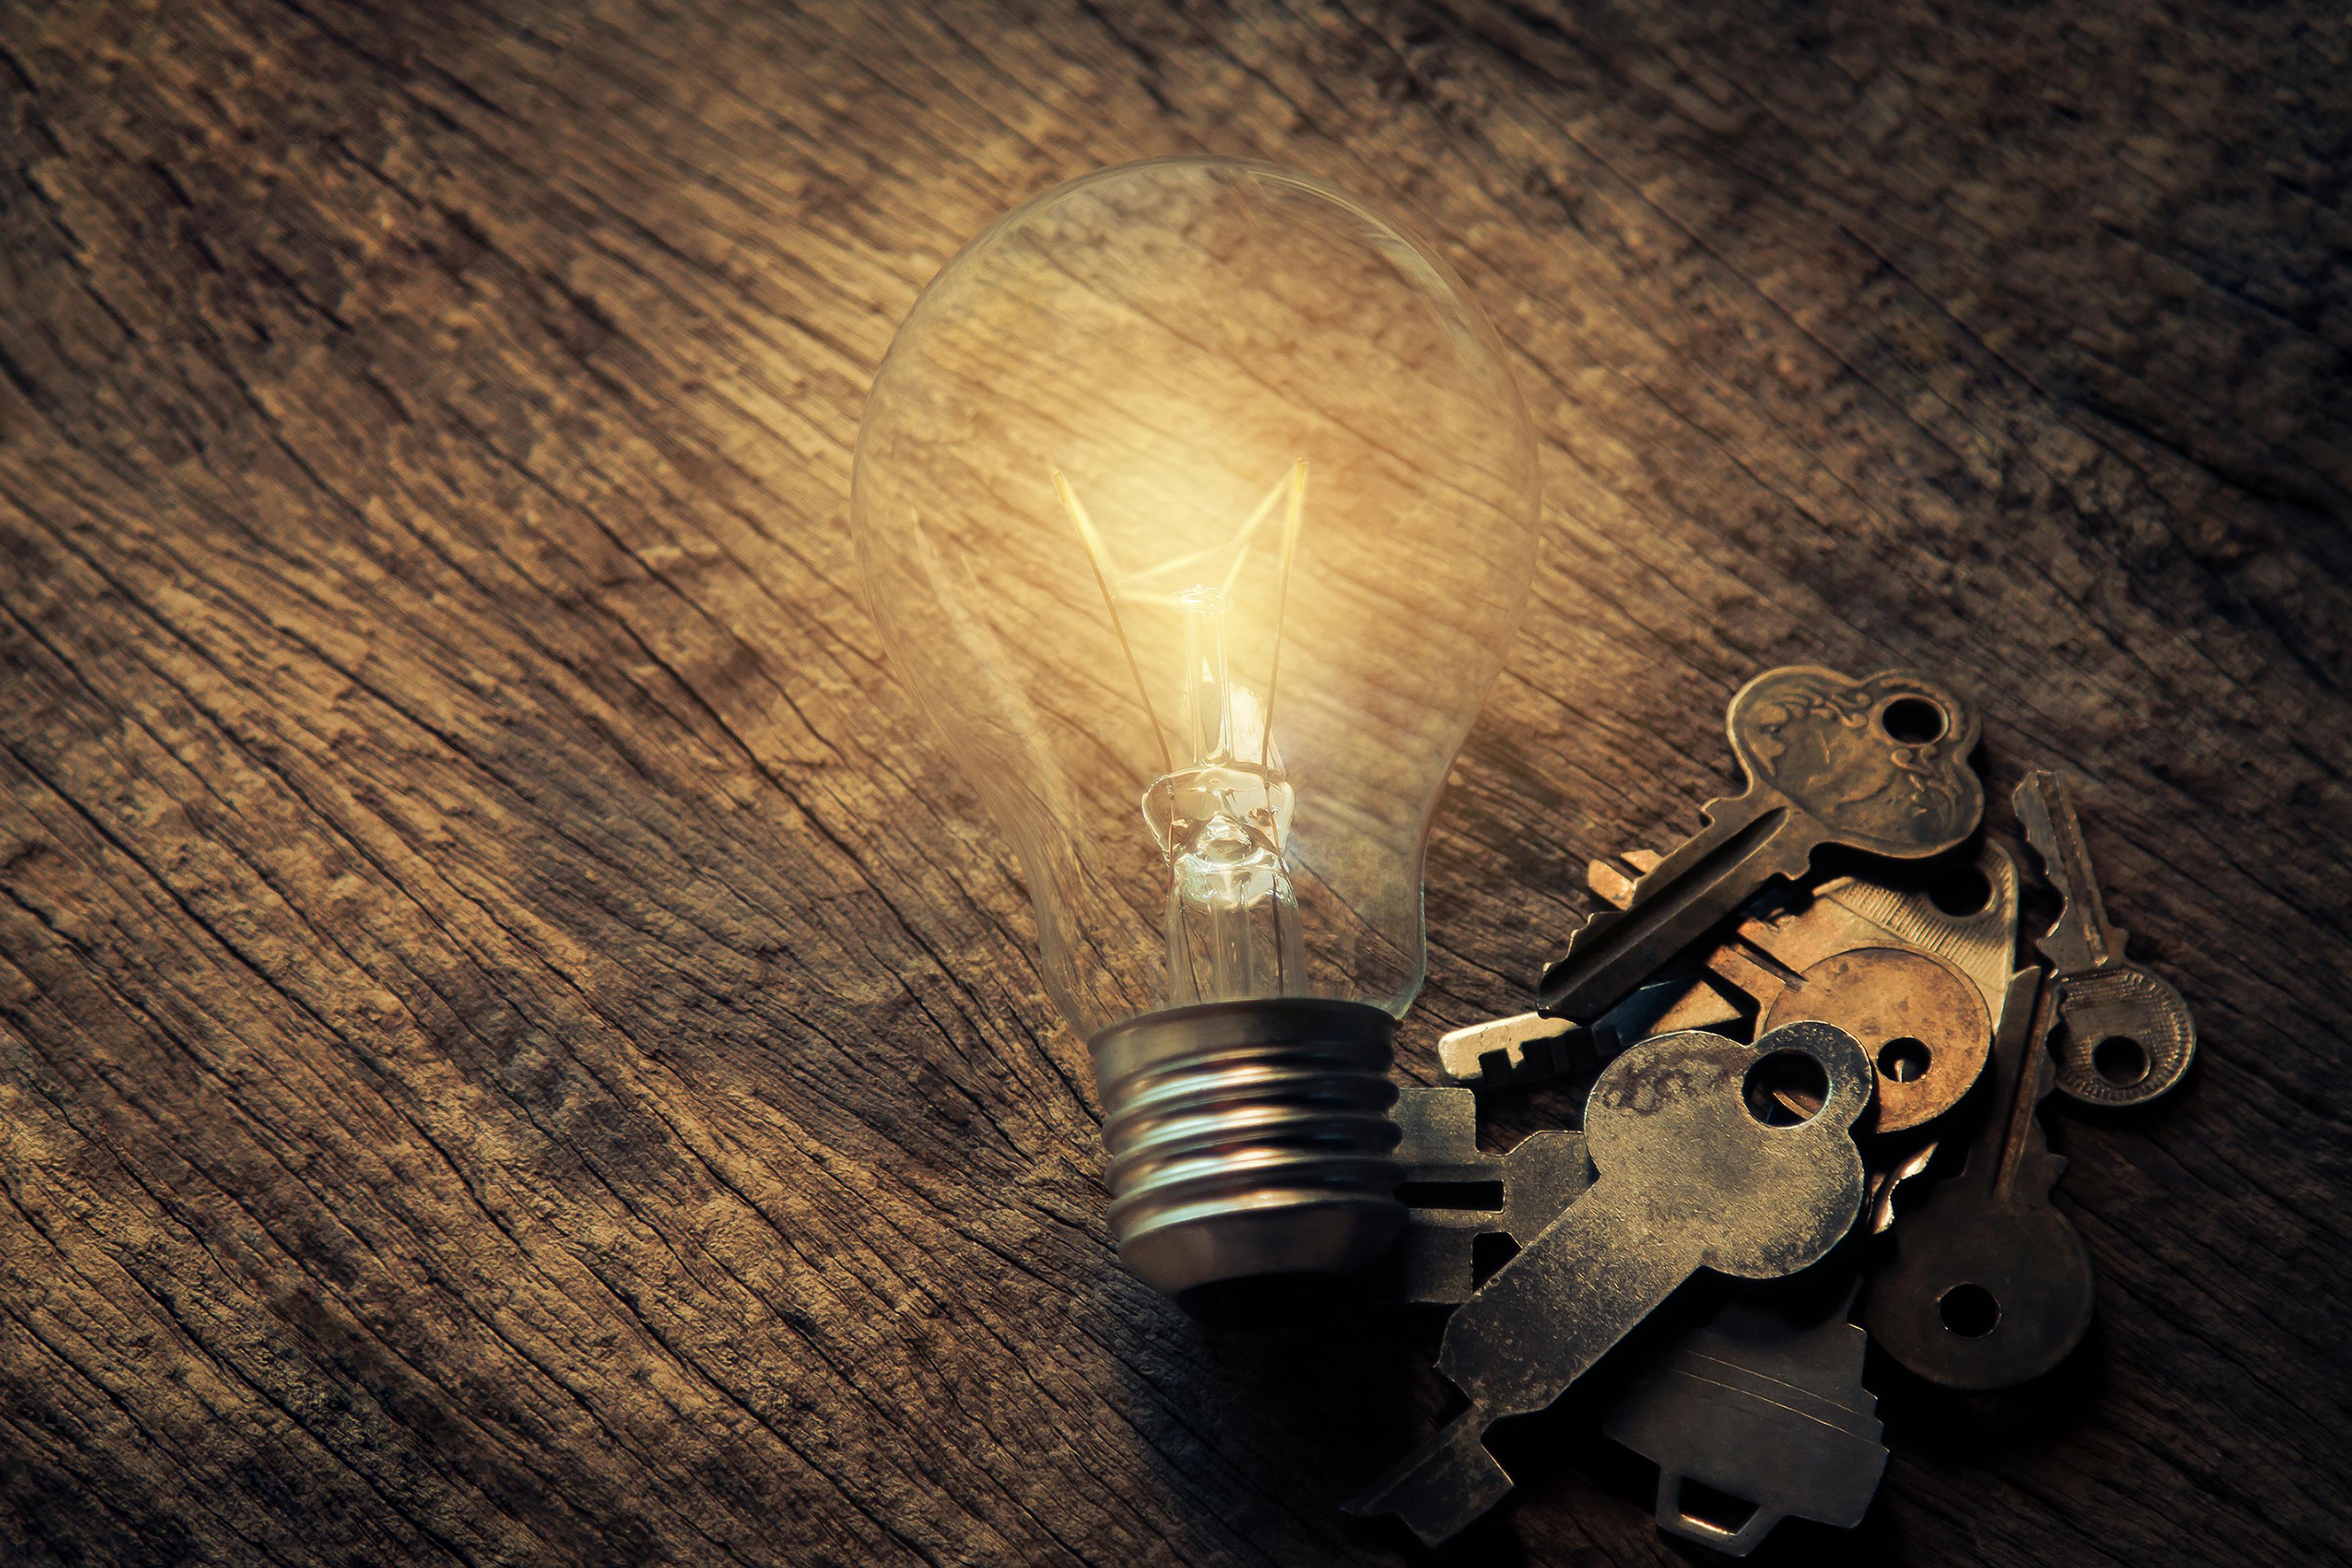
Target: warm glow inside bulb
1199,508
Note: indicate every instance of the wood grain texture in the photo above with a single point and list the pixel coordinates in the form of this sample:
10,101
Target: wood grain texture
512,1047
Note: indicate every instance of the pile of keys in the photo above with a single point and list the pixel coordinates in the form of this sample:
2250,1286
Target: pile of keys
1874,1001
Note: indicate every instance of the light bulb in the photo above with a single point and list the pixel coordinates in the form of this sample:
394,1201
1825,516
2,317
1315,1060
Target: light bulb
1198,507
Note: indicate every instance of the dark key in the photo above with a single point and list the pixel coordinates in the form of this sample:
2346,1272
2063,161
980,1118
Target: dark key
1762,1405
1990,1286
1449,1179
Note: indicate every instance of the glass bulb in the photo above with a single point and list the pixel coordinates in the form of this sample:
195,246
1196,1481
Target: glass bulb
1198,509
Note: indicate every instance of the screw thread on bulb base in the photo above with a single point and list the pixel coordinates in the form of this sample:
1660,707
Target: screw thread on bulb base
1253,1156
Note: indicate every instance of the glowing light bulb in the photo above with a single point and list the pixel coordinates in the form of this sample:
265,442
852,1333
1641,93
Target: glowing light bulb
1198,509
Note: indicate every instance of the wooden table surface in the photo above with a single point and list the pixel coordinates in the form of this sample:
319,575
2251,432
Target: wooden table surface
513,1045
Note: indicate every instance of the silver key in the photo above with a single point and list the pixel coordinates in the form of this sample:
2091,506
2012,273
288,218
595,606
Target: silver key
2128,1035
1689,1177
1528,1048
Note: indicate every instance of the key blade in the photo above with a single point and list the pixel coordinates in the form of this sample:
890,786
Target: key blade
2026,1163
2007,1151
1669,1007
1748,841
2083,939
1552,1311
1887,1185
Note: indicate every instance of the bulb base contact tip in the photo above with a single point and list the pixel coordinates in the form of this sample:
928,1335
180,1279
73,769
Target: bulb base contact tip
1251,1151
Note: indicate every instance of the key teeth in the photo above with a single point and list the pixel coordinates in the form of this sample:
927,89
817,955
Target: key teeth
1524,1048
1540,1177
1550,992
2062,942
1610,882
1599,920
1607,879
2118,941
1645,863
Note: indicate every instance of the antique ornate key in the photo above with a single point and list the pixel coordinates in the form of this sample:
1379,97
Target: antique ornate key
1878,764
1690,1177
2112,1007
1990,1286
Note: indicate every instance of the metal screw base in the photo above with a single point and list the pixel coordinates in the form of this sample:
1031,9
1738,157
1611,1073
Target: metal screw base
1251,1144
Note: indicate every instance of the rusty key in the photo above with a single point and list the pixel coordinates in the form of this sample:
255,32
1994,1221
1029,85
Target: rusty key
2112,1007
1878,764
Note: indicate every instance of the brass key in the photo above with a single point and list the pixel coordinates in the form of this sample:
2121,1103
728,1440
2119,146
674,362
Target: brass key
1878,764
2111,1007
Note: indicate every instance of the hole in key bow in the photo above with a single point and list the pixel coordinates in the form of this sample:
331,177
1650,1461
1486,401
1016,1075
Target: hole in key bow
1712,1508
1968,1310
2120,1060
1474,1197
1960,890
1785,1088
1912,721
1903,1059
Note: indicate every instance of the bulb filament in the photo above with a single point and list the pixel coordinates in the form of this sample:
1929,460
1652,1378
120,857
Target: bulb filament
1222,807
